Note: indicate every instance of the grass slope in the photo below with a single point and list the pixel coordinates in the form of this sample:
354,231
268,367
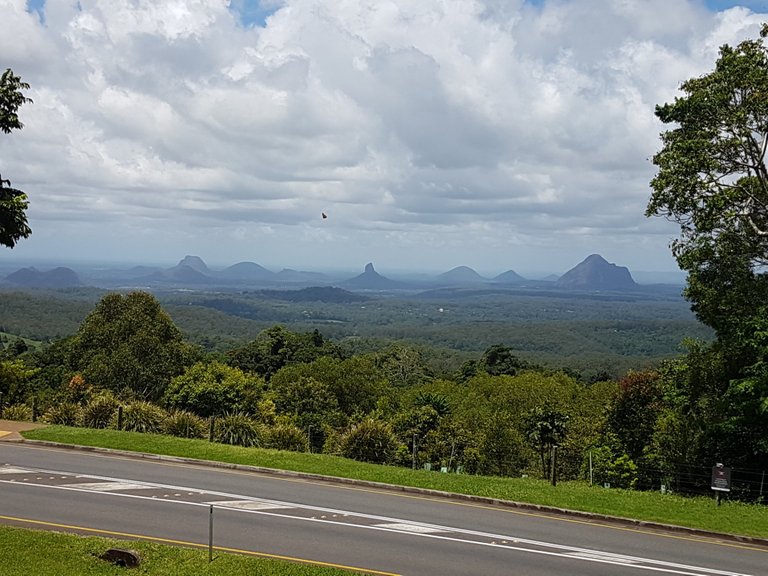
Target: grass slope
29,552
730,517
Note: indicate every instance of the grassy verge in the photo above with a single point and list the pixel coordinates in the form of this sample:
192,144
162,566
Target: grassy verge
730,517
27,552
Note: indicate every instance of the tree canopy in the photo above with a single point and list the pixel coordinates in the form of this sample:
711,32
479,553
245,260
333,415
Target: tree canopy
129,344
712,180
13,202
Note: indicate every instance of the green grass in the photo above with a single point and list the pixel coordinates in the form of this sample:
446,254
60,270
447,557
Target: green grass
29,552
730,517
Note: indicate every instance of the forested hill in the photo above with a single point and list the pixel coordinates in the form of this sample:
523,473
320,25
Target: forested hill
586,332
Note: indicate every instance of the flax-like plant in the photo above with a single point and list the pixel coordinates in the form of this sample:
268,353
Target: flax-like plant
184,425
143,416
238,429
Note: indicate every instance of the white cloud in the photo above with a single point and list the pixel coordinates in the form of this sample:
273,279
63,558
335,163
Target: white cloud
434,133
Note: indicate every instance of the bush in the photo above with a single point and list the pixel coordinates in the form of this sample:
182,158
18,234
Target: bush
19,412
143,416
65,413
99,412
619,471
286,436
184,425
237,429
369,441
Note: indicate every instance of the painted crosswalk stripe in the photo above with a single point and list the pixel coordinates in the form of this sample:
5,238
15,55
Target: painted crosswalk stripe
109,486
416,528
247,505
12,470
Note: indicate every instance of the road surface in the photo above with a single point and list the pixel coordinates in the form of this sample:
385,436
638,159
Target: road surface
376,531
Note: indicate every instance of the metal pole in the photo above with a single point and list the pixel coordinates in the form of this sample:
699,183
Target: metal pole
414,451
309,438
762,479
590,467
554,465
210,534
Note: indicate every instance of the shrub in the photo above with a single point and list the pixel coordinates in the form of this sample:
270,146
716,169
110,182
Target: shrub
19,412
286,436
237,429
65,413
99,412
619,471
369,441
184,425
143,416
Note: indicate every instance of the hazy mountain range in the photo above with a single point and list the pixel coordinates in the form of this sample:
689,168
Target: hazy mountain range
592,274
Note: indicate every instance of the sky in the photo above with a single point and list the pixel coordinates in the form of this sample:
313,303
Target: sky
495,134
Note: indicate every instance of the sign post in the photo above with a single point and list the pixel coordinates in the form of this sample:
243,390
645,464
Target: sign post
721,480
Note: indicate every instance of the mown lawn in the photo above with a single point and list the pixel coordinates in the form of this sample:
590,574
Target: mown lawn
700,512
26,552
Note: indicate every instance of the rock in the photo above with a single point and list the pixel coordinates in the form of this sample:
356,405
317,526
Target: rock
122,557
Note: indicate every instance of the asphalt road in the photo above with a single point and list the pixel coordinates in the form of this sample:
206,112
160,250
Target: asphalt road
372,530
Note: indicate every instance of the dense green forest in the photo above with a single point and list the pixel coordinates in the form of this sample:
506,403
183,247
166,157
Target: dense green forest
588,334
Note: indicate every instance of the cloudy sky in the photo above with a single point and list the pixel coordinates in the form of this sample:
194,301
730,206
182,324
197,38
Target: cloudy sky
498,134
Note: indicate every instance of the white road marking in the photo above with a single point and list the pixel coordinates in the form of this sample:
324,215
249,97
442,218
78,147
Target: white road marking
12,470
407,527
110,486
247,505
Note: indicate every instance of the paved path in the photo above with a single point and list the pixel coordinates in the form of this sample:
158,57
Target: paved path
9,429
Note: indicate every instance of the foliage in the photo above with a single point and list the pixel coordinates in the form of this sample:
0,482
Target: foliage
184,424
546,427
143,416
500,359
502,450
608,467
15,378
278,347
100,411
13,202
128,343
309,401
238,429
65,413
369,441
402,365
286,436
633,413
214,388
19,412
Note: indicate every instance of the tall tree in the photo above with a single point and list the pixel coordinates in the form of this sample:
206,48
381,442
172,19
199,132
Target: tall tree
712,180
130,345
13,202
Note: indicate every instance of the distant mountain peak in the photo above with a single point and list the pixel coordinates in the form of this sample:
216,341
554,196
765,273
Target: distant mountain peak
196,263
371,280
31,277
461,275
596,273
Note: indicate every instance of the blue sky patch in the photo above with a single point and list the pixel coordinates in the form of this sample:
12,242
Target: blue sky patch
254,12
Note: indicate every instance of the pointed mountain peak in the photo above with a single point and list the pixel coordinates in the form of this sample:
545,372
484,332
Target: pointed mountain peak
596,273
196,263
369,268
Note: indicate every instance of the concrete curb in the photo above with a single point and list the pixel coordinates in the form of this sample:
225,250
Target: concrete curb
545,510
